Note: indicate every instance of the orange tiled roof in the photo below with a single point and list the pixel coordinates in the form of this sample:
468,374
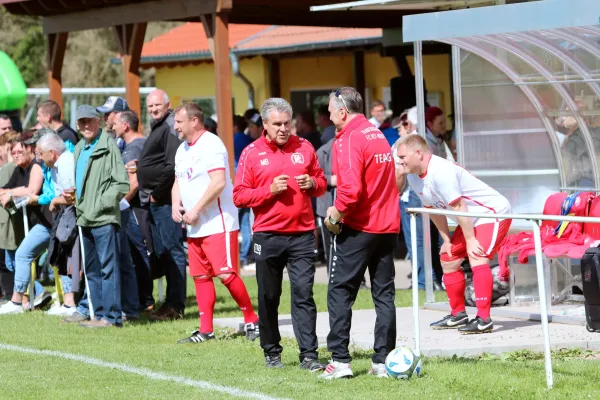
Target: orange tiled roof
191,38
188,42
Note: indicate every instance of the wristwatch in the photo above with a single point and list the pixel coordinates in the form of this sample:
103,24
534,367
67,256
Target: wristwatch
333,222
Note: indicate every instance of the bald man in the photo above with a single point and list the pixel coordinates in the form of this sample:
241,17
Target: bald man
156,174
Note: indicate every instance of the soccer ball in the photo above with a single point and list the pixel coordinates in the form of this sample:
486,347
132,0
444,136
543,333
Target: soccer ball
402,363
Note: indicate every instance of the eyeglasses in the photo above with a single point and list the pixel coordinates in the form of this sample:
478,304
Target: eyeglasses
338,94
18,153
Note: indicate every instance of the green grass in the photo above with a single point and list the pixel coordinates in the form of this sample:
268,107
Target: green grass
234,362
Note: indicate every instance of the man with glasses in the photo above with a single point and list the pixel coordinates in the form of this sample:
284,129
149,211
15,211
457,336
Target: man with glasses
365,218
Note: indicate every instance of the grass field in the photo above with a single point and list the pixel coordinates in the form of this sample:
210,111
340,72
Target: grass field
147,350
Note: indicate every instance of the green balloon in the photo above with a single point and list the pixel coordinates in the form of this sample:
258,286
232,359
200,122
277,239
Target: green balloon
13,92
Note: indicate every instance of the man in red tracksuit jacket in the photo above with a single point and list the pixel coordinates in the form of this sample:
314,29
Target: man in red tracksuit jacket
277,175
366,220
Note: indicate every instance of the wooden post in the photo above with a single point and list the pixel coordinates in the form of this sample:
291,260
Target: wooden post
274,77
57,45
131,39
359,74
220,34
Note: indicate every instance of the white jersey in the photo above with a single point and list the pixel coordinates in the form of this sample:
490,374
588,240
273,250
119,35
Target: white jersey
193,163
446,182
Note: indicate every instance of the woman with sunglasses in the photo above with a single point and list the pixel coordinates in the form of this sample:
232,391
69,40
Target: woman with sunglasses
26,180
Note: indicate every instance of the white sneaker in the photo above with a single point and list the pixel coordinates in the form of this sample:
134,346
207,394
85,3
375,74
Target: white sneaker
61,311
11,308
249,267
378,370
336,370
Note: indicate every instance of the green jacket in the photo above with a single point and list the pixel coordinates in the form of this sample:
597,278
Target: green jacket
105,183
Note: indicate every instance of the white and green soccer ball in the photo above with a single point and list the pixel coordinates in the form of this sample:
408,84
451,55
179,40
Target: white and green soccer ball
403,363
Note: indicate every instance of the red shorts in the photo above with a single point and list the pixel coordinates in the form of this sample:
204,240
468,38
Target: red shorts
213,255
489,236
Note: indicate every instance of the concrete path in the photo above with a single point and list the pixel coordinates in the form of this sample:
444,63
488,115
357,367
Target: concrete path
509,334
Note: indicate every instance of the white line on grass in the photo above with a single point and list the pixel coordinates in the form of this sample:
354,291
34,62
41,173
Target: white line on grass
146,373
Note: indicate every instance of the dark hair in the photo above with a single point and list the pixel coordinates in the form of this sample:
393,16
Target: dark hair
210,125
192,110
323,111
131,118
432,113
51,108
250,112
377,103
4,116
308,117
240,122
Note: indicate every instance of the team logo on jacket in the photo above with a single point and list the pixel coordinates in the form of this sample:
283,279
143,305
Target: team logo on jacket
297,158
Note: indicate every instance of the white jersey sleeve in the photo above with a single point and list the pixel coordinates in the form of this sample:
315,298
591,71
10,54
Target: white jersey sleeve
448,186
218,158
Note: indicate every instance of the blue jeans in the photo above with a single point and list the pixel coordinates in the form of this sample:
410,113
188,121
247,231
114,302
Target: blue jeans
129,287
168,246
32,246
9,260
244,216
414,201
101,246
66,282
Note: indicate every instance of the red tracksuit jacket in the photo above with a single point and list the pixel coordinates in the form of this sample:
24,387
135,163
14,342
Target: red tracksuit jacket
367,191
262,161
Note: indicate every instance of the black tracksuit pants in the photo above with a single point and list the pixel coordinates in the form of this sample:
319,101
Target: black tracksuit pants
355,251
273,252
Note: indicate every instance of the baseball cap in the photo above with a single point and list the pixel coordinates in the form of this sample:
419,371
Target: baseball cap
37,135
256,120
412,115
86,111
113,103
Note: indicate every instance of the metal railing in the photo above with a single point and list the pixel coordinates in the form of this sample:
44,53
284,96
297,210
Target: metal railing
535,222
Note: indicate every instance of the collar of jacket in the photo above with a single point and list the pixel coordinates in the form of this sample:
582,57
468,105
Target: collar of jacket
101,146
266,142
160,121
352,125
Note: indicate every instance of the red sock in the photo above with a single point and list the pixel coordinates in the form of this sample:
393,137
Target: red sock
238,291
206,298
483,282
455,288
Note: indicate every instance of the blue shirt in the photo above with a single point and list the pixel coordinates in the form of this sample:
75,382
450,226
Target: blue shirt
240,141
82,163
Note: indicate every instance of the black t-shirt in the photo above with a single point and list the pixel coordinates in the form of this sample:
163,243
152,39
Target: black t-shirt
35,214
66,133
133,151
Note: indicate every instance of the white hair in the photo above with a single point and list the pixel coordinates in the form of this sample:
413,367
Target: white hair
51,141
275,104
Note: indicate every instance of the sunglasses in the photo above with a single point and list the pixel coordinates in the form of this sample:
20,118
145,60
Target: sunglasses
338,94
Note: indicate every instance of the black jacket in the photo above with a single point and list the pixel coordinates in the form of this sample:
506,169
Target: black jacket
66,133
156,166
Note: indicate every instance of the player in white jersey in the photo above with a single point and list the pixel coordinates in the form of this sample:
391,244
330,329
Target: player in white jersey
203,199
443,184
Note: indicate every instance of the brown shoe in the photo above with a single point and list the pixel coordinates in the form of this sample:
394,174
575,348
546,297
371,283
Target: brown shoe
76,317
166,313
96,323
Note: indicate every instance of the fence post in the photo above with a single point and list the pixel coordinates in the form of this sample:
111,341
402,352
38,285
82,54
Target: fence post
415,282
74,112
539,262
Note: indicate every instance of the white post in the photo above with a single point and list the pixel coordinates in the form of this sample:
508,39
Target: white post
427,261
87,285
74,112
539,262
415,282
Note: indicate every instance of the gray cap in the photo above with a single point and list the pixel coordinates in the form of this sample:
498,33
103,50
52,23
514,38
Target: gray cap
86,111
37,135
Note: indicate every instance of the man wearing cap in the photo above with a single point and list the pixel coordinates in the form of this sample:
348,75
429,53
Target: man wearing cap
48,116
110,108
156,175
100,183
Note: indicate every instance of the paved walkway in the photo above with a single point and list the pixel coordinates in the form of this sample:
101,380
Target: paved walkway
509,334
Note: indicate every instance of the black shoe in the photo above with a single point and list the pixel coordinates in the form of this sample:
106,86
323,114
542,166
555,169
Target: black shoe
451,322
477,325
274,361
312,364
198,337
437,286
252,331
